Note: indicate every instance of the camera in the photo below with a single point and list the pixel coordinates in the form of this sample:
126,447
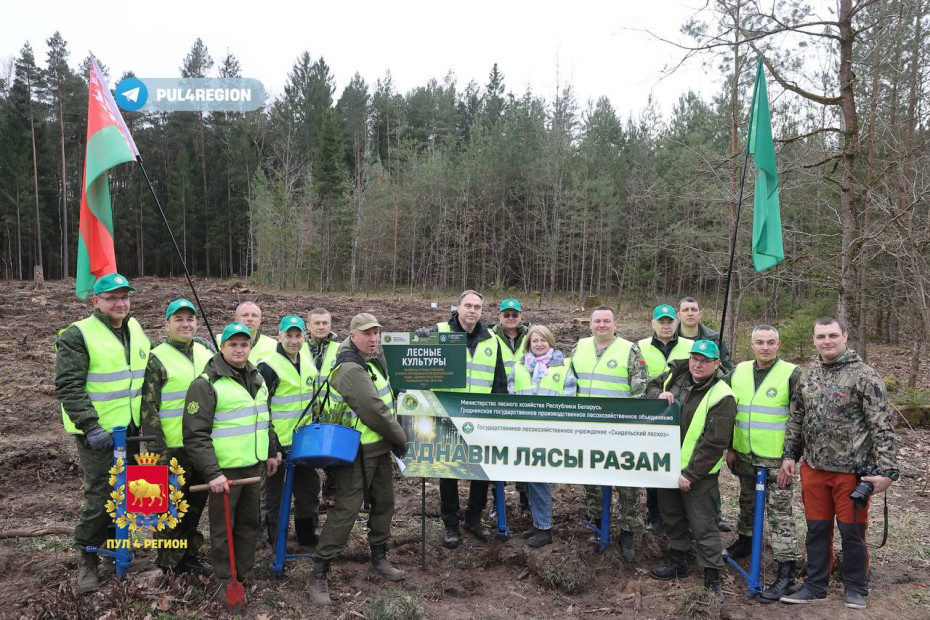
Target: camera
860,495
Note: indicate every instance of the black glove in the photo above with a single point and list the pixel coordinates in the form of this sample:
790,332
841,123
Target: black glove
398,451
423,332
99,439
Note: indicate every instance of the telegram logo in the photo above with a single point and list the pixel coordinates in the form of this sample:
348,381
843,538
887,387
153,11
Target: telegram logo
131,94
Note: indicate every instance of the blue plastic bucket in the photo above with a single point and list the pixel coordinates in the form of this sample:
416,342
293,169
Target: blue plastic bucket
322,445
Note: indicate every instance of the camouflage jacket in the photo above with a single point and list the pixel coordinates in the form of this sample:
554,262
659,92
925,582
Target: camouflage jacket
718,425
71,363
512,345
318,348
155,378
840,418
636,369
706,333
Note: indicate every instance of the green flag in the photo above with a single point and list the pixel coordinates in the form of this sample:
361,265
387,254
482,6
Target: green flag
767,248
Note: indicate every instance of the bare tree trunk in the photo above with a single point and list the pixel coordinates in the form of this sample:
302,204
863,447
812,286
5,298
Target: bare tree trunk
35,176
65,231
728,332
19,238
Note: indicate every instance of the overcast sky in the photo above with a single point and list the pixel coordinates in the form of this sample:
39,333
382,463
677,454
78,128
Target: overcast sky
597,46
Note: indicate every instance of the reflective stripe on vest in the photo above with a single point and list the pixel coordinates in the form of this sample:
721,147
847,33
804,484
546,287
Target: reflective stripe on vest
761,415
510,357
714,395
607,376
240,424
113,386
479,369
292,395
181,371
326,367
264,347
551,384
656,363
383,389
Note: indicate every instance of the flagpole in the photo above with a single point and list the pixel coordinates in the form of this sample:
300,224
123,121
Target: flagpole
739,209
178,249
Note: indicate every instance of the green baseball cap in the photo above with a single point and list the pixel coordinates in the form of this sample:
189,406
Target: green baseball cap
111,282
179,304
707,348
290,321
664,311
511,304
234,329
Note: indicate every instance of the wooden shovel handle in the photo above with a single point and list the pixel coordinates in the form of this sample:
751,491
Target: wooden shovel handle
197,488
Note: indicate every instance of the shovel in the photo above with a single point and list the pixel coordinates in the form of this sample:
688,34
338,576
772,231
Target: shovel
235,593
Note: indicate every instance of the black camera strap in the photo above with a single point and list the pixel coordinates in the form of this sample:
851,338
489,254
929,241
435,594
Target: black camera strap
884,528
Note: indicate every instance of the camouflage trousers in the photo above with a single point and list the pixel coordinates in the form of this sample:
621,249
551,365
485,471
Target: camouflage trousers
629,516
186,528
778,506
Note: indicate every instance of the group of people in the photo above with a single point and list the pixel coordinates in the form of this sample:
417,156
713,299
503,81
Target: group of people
231,415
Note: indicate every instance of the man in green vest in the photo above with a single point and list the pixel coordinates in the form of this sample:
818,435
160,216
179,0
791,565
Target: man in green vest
321,347
485,374
172,366
249,314
291,379
361,378
763,389
99,368
664,346
512,333
607,365
227,436
690,326
708,408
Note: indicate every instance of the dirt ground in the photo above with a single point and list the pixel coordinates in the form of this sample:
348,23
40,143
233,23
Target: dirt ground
41,486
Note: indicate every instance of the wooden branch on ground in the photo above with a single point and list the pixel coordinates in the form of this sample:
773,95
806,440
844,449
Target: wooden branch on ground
39,531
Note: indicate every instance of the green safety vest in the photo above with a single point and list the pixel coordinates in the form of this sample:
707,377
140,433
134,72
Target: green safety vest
264,347
383,388
292,395
761,415
606,376
656,363
510,357
714,395
240,424
181,371
479,371
552,384
326,367
113,386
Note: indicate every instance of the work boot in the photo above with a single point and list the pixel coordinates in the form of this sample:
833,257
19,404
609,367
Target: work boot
783,584
318,588
712,583
477,529
530,533
88,580
627,552
723,526
306,531
380,564
741,548
540,539
453,537
675,566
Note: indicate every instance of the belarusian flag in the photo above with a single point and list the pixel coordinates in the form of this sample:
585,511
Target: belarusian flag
108,144
767,247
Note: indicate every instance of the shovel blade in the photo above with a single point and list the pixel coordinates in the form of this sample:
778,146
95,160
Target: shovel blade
235,595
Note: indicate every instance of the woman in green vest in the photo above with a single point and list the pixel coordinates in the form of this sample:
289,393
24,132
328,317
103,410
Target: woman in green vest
542,371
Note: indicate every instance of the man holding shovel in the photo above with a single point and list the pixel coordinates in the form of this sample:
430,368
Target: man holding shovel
226,434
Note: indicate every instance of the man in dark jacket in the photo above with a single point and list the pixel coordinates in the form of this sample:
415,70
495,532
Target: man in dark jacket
361,378
708,409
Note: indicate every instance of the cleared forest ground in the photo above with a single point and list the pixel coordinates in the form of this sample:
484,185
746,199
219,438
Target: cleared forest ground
41,486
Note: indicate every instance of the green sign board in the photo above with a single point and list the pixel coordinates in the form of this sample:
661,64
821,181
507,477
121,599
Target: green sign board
431,363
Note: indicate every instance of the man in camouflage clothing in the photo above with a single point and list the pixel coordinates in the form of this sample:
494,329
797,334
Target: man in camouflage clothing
763,388
839,422
172,365
616,378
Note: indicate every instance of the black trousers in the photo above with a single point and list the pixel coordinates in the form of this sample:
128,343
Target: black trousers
449,500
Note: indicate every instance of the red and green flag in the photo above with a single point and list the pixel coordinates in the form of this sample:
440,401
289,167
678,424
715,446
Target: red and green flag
108,144
767,247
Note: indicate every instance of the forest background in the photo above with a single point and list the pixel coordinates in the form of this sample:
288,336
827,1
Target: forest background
452,185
